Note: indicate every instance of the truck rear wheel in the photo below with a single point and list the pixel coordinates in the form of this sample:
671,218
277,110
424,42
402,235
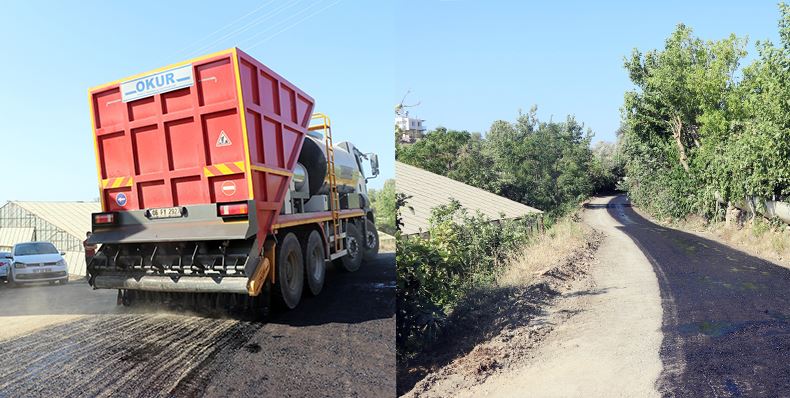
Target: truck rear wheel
353,260
371,241
314,262
290,272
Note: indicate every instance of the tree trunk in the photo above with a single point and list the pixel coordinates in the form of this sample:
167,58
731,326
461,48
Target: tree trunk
677,129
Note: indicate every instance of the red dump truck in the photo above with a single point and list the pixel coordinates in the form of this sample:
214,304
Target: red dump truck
220,185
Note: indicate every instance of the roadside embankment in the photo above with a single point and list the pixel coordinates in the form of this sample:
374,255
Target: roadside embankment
494,327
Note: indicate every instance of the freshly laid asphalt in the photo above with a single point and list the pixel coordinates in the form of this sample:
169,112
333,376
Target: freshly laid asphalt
726,321
71,341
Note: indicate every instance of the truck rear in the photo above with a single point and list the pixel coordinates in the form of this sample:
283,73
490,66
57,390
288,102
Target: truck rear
215,185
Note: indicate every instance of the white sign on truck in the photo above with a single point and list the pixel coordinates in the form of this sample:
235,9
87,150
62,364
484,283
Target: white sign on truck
157,83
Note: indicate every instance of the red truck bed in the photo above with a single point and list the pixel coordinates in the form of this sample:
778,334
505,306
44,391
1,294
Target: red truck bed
219,128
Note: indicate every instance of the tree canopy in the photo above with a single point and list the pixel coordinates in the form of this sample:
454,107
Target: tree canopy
546,165
698,127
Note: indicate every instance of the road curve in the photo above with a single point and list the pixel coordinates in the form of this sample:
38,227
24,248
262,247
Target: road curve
69,341
726,321
609,346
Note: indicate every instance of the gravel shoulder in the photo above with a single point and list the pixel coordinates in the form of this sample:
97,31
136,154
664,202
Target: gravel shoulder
494,331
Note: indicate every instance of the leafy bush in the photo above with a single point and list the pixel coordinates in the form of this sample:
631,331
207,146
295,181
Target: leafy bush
463,251
383,203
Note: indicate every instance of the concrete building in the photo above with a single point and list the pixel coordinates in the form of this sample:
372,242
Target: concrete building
429,190
412,129
62,223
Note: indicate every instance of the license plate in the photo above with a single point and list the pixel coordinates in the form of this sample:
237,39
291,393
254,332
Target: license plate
165,212
39,270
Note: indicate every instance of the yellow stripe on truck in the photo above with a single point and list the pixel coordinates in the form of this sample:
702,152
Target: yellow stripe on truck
117,182
224,169
221,169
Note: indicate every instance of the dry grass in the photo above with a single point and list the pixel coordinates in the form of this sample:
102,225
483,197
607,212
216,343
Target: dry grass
544,252
759,239
386,243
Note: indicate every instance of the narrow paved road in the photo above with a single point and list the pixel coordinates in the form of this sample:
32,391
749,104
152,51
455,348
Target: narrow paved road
608,329
726,321
670,313
69,341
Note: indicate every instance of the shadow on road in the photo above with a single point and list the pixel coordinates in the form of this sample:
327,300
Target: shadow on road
726,314
362,296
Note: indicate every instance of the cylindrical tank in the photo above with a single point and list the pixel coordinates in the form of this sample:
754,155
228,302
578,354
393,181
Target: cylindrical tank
300,175
313,160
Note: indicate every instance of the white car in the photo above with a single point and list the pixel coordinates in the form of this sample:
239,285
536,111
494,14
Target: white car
37,262
5,264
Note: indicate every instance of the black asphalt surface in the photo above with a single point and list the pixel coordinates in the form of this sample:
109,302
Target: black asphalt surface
726,314
340,343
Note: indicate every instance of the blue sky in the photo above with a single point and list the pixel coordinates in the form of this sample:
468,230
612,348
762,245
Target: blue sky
468,62
338,52
474,62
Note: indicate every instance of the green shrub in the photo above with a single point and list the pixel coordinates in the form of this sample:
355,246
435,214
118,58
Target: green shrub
463,252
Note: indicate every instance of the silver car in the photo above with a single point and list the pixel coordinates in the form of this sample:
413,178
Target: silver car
37,262
5,264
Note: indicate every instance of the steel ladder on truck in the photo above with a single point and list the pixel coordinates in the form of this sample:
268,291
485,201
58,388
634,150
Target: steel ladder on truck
325,125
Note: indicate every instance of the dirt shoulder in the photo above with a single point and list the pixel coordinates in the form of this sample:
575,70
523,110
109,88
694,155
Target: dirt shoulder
494,330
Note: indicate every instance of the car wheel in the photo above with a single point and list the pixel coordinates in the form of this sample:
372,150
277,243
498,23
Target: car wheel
11,281
290,272
371,241
314,264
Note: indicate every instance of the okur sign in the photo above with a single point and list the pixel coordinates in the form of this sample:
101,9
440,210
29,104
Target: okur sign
157,83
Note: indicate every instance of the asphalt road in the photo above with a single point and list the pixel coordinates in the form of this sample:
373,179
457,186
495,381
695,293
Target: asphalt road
70,341
726,321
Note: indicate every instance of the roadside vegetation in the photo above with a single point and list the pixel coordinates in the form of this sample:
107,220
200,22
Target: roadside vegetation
464,252
705,140
546,165
462,295
700,131
383,203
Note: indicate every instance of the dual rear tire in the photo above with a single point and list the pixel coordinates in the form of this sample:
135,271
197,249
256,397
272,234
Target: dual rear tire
296,262
305,260
315,262
290,271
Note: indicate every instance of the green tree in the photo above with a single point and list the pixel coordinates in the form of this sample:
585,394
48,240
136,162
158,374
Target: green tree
437,152
384,206
678,121
760,151
545,165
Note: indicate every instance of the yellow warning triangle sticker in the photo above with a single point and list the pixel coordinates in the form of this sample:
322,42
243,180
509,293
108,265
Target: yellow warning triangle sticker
223,139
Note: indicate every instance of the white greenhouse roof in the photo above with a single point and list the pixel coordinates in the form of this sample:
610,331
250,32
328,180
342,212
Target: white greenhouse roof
11,236
73,218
